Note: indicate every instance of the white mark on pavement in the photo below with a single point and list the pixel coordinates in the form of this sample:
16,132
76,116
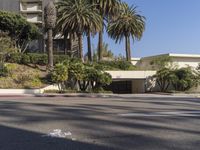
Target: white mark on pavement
58,133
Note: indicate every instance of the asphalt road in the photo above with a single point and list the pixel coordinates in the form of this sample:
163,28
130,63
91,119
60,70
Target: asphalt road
140,122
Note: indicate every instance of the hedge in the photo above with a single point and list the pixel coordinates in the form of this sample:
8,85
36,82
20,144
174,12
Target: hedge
34,58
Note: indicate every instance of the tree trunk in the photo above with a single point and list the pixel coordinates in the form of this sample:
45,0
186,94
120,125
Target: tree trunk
65,44
71,45
100,45
80,44
50,48
128,49
89,47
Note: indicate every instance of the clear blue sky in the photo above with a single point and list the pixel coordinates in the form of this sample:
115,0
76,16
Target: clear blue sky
172,26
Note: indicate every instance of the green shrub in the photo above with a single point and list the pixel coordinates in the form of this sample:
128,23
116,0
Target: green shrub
14,58
25,59
184,79
116,65
35,58
39,59
4,71
60,59
59,75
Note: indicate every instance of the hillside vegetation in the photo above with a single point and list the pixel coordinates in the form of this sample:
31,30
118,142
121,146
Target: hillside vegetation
21,76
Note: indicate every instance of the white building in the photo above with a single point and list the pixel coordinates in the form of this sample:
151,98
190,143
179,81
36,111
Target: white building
178,60
141,81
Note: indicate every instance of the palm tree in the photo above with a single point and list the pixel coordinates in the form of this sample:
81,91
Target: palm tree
106,8
50,21
129,24
78,17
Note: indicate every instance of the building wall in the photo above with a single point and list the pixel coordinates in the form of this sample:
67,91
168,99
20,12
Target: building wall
138,80
138,86
33,11
178,62
129,75
185,62
9,5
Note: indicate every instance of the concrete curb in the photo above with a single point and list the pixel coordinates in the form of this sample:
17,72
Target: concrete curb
101,95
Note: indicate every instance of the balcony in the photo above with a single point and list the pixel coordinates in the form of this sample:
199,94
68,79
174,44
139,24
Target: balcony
31,6
33,18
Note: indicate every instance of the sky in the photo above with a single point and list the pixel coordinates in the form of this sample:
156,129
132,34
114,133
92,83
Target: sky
172,26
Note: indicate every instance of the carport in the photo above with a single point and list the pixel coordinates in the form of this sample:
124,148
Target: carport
127,82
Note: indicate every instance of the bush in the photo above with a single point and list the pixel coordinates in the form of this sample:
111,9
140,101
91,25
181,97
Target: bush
60,59
25,59
38,59
163,78
4,71
35,58
116,65
59,75
184,79
181,79
14,58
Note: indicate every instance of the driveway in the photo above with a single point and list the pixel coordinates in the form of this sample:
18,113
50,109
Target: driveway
129,122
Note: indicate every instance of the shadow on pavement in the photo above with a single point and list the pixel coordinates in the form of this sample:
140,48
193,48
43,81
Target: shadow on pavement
99,122
18,139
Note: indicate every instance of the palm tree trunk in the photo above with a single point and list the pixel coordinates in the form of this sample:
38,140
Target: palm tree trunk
65,44
89,47
80,44
100,44
71,45
128,48
50,48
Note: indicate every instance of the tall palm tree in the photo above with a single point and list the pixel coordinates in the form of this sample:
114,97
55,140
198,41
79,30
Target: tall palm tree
129,24
106,8
77,17
50,21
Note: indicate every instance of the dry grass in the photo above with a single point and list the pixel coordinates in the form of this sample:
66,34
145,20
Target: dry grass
21,76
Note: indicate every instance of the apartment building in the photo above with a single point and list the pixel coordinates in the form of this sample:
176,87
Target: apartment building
33,11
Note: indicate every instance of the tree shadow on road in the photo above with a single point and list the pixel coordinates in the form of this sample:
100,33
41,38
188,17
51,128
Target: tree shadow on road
18,139
99,124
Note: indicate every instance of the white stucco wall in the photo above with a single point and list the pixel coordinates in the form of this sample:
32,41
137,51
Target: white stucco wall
185,62
178,60
131,74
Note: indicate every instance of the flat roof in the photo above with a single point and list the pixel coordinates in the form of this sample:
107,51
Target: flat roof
128,75
170,55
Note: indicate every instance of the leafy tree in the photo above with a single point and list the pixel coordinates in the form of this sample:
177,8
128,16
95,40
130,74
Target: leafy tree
184,79
181,79
163,78
86,75
50,21
76,72
78,17
19,29
6,47
104,78
59,75
128,24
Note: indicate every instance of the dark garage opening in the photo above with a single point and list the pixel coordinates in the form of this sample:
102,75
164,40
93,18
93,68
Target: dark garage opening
120,87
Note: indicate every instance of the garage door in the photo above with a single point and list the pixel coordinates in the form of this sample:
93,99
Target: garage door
120,87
